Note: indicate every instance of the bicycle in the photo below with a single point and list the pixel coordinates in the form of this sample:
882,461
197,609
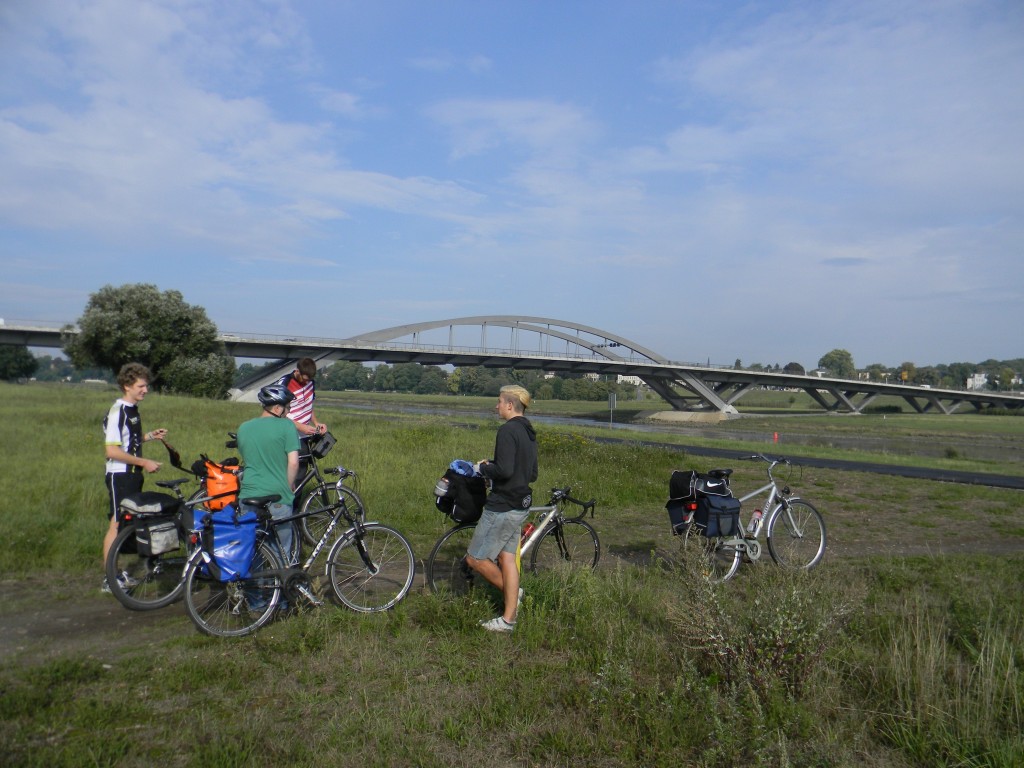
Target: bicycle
370,568
794,529
316,501
573,541
154,577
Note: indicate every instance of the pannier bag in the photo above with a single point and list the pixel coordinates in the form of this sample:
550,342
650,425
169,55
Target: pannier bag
135,508
690,495
154,537
229,541
323,446
463,499
717,515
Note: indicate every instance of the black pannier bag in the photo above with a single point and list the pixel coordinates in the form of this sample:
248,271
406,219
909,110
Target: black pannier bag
717,515
690,499
464,500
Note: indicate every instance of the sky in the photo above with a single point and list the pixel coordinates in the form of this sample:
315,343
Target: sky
761,181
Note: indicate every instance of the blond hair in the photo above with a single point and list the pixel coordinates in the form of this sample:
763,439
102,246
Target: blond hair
517,395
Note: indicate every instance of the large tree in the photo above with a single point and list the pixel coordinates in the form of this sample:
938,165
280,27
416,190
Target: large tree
139,323
16,362
838,363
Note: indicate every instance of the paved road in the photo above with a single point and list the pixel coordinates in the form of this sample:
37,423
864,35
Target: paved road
945,475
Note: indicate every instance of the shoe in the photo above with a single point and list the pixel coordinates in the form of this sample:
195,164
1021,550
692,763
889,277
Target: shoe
498,624
124,581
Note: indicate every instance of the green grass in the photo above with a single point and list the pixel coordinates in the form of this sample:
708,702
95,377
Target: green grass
902,649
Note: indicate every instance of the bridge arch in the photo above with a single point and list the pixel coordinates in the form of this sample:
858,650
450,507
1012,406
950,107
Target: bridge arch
595,341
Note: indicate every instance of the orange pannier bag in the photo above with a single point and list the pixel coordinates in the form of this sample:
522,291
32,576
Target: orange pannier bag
221,485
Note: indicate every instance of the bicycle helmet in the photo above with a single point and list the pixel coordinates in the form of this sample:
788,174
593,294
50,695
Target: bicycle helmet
275,394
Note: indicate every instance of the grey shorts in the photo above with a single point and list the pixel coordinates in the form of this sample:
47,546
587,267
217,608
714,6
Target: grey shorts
497,532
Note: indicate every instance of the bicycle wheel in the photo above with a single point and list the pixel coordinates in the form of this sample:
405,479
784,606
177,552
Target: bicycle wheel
566,544
716,559
326,499
796,535
145,583
233,608
446,566
371,571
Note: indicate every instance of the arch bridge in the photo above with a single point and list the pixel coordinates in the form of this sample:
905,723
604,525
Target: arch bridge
556,346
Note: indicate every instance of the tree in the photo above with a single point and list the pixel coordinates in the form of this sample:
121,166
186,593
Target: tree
136,322
794,368
838,363
16,362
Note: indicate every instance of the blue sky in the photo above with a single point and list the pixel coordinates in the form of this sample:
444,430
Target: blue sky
715,180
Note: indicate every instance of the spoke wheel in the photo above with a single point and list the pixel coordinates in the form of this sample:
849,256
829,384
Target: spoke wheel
571,544
716,559
144,583
796,536
372,571
447,572
233,608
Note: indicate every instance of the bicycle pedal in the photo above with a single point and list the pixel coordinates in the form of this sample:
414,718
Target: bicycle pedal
306,593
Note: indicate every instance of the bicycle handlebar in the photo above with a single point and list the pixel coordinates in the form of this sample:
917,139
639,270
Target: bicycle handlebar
768,459
560,494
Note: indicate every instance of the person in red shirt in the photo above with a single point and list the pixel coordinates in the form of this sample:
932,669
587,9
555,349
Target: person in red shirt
301,383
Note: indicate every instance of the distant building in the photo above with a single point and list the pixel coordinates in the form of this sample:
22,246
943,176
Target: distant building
977,381
636,381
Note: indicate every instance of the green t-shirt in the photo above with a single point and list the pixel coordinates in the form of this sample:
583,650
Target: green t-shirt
265,443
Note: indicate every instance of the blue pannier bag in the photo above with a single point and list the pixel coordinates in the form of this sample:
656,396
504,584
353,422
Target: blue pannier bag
229,540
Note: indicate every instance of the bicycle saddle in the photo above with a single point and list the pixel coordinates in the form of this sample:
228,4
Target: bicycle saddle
721,474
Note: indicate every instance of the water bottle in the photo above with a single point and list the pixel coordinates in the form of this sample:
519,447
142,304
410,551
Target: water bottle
530,528
754,520
441,489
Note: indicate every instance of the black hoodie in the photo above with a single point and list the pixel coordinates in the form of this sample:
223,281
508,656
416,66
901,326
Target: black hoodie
513,467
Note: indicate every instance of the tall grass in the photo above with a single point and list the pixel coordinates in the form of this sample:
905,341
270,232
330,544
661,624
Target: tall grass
867,661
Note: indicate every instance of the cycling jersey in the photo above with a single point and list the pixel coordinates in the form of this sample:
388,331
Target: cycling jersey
122,426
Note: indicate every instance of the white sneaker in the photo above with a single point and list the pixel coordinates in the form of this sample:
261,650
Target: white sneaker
125,581
498,624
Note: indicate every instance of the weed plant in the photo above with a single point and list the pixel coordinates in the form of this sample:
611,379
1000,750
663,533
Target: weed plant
880,657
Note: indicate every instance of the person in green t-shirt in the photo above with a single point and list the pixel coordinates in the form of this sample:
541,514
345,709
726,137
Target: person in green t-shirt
269,445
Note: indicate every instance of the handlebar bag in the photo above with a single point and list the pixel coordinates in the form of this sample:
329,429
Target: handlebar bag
229,539
323,445
464,502
717,515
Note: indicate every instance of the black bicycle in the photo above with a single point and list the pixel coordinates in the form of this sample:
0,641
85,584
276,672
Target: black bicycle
370,567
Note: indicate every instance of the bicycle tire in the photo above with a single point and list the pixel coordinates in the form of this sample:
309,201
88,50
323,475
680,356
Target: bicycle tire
799,541
327,498
233,608
447,572
157,580
377,587
569,543
716,559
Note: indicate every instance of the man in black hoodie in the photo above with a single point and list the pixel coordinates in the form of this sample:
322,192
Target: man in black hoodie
492,552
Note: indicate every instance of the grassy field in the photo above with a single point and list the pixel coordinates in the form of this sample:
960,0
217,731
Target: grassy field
904,648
